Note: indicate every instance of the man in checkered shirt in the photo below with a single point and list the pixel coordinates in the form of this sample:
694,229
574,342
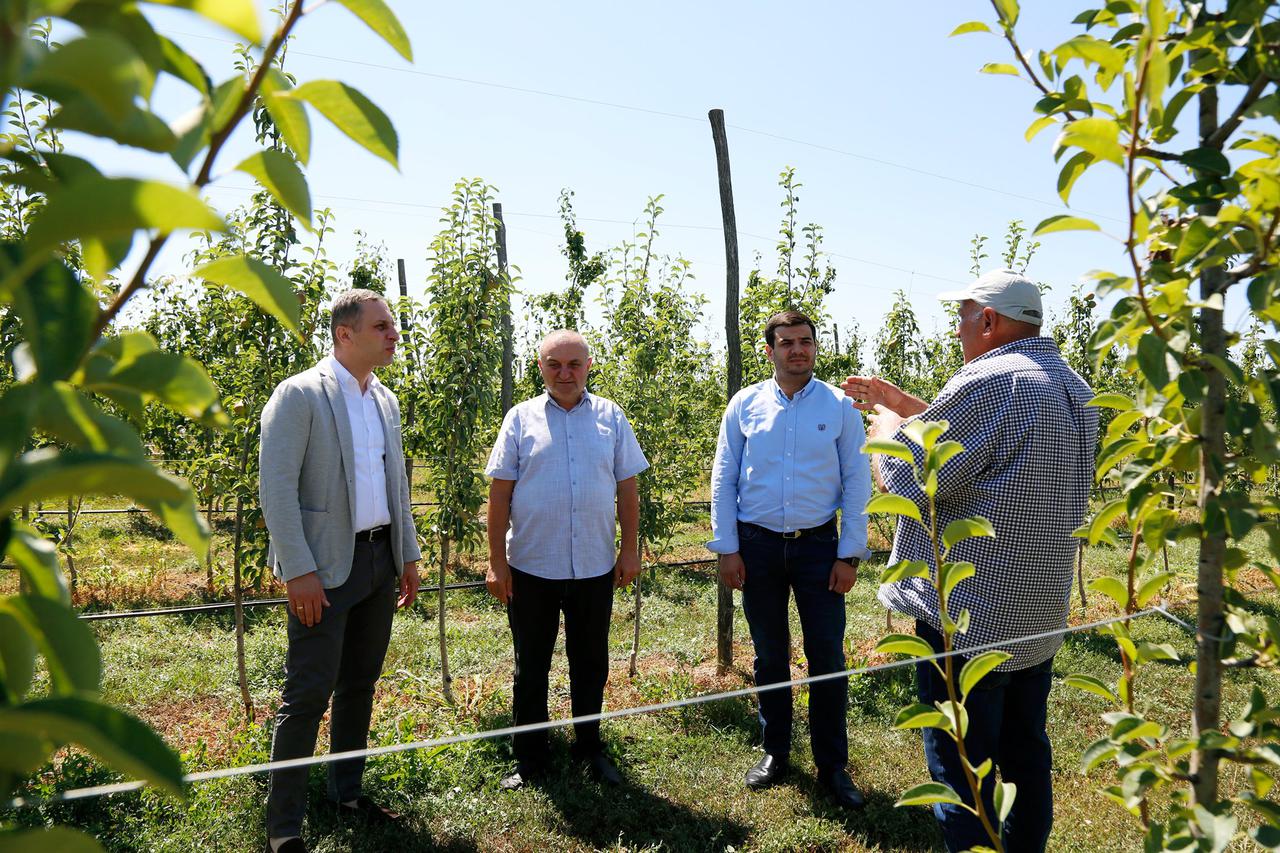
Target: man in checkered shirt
1021,414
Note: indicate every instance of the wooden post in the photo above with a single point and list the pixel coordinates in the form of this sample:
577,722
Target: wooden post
412,412
237,587
733,358
508,334
404,293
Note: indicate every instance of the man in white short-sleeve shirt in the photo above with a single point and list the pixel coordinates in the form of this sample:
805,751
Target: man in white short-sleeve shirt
560,462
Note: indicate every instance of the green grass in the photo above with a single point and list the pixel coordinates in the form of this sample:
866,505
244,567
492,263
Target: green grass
684,766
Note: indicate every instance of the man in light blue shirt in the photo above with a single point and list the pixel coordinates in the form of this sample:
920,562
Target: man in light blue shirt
560,462
788,457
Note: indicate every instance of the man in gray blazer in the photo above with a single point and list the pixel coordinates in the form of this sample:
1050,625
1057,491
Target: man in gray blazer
336,502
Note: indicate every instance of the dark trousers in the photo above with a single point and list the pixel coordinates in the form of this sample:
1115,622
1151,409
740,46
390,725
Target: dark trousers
1006,724
534,615
775,568
339,657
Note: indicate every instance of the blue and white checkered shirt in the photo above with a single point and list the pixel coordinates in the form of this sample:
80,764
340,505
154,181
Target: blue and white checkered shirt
1029,441
567,466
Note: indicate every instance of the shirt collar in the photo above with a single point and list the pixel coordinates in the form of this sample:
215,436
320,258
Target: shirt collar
1035,343
551,401
345,380
801,394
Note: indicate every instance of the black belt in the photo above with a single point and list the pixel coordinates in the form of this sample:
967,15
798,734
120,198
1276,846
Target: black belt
827,526
374,534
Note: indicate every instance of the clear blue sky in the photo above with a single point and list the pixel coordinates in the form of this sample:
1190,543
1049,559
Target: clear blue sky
880,82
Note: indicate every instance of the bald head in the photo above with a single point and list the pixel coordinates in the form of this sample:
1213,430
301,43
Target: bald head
562,338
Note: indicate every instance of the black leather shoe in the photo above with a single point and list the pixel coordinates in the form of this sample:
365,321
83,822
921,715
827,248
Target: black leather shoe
367,810
841,788
524,775
602,769
293,845
767,771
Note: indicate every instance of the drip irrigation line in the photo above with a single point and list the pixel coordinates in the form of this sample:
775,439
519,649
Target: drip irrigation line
270,602
310,761
1161,609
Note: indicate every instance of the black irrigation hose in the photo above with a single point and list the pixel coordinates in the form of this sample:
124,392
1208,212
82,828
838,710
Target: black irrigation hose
214,511
267,602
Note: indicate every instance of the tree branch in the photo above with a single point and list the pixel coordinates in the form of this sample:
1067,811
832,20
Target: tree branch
1228,127
216,142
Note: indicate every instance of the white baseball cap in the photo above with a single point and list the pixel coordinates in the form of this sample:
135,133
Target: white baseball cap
1007,292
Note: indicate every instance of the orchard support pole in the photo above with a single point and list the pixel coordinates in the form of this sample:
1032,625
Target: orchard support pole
733,362
508,334
412,412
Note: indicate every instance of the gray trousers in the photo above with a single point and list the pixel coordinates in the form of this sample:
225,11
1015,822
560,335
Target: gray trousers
339,657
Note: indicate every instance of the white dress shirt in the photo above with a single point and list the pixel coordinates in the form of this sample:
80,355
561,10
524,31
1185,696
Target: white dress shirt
370,444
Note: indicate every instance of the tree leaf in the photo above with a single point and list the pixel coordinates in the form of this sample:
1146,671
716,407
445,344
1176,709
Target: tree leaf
1112,401
1099,136
1000,68
1008,11
289,115
48,473
975,668
263,284
238,16
116,738
966,528
175,380
1206,161
1092,50
1152,351
116,207
1151,587
64,839
382,21
970,27
37,560
139,128
100,66
353,114
282,177
1091,684
66,643
888,447
17,660
920,716
1112,588
58,316
893,505
928,794
1065,222
954,572
74,419
1003,798
904,644
1038,125
905,569
1071,171
180,64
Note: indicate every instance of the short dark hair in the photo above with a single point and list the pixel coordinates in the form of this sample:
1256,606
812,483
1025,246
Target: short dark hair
347,307
787,318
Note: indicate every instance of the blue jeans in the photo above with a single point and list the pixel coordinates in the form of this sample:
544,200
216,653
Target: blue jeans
1006,724
776,567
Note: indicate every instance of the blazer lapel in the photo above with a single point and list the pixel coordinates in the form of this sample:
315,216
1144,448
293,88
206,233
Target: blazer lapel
338,404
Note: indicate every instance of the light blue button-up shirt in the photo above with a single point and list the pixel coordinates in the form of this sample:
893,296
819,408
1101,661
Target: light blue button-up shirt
567,466
789,464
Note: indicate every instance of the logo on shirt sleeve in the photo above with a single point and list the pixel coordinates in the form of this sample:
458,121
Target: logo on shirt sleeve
822,427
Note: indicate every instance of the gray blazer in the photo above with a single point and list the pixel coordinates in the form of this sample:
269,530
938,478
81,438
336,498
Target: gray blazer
307,479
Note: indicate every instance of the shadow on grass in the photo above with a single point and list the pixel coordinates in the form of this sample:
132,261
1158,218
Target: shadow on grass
634,817
878,826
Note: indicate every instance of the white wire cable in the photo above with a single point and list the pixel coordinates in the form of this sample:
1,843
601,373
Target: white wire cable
309,761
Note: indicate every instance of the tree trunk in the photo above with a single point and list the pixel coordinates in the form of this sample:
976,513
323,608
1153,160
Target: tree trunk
66,547
1213,543
445,678
733,361
508,333
208,558
635,636
242,674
